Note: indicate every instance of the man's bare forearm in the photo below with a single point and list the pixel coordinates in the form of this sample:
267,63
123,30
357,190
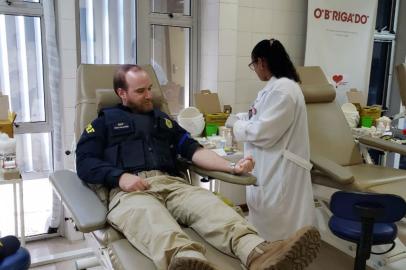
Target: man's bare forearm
209,160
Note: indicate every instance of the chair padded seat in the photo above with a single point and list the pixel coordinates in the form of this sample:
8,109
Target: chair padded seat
383,233
124,256
368,178
396,188
368,175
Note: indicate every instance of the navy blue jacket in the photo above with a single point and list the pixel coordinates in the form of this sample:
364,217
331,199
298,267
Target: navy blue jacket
120,141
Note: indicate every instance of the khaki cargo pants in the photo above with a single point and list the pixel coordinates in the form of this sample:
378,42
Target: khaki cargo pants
149,220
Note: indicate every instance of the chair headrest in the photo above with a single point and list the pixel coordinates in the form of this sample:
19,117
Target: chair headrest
315,86
106,98
318,93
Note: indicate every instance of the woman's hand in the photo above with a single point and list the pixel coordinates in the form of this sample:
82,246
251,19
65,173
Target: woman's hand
232,118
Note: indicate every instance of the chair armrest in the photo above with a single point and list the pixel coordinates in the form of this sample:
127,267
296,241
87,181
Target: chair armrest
245,179
88,211
337,172
383,144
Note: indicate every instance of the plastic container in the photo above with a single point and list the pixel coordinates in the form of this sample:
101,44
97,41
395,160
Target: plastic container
192,120
374,111
366,121
211,129
8,152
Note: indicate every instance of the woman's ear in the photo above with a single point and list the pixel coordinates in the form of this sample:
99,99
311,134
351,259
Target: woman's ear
261,63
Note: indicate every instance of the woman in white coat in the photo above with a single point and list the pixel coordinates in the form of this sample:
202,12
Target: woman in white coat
275,133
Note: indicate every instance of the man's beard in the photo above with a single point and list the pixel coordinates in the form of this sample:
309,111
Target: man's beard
144,107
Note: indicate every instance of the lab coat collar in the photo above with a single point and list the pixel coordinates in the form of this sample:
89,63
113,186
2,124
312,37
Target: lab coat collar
267,88
270,82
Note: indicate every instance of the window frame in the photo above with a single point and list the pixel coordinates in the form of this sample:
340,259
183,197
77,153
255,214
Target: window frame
28,129
389,36
33,9
145,20
99,29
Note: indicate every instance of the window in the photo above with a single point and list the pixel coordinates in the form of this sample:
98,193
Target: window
108,31
385,19
380,67
173,42
171,6
21,58
170,59
23,73
383,50
162,33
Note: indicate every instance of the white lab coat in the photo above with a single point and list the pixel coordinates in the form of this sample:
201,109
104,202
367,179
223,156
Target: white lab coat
277,137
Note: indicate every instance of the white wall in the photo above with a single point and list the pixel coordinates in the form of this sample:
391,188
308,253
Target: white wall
208,44
242,24
66,27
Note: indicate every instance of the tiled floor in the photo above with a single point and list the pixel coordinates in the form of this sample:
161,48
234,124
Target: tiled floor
43,248
329,257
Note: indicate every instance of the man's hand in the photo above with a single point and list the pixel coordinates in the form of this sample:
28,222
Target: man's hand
130,182
244,165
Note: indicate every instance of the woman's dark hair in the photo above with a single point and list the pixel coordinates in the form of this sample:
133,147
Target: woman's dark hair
276,57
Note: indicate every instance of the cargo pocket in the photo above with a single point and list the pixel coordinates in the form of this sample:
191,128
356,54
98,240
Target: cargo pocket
132,154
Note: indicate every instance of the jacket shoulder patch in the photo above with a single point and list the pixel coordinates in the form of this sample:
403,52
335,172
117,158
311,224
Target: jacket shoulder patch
89,129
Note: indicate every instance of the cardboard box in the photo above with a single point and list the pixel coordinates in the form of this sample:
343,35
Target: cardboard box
207,102
4,107
6,126
356,97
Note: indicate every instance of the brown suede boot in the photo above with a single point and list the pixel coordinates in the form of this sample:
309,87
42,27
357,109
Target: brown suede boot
190,263
294,253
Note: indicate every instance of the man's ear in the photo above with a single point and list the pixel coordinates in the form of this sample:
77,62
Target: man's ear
121,93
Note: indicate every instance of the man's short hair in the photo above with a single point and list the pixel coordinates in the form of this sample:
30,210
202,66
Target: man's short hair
119,80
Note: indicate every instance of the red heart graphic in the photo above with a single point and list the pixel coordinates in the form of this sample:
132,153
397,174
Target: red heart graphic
337,78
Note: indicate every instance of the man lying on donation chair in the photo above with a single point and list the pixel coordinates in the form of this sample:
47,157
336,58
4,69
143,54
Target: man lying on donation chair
132,149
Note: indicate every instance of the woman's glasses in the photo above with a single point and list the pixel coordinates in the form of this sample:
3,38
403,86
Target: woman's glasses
251,65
